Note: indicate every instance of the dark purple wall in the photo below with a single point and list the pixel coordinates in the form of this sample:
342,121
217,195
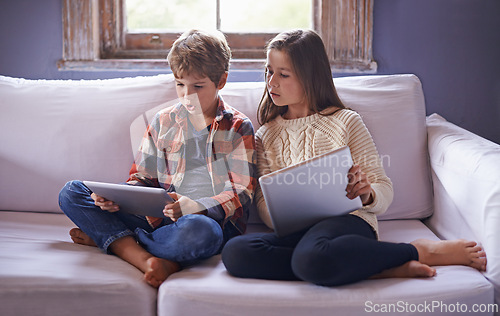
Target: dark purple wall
452,45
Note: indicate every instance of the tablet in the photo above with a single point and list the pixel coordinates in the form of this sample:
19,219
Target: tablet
301,195
132,199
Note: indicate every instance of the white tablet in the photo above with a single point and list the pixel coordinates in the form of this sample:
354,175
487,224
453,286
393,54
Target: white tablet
301,195
138,200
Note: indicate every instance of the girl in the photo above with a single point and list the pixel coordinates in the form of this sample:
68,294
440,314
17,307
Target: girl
302,117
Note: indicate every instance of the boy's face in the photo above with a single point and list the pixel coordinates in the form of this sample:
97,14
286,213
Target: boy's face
199,95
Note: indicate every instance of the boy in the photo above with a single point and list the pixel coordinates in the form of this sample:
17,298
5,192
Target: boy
201,151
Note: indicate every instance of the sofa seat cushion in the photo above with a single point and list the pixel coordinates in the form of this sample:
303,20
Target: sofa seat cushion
207,289
43,273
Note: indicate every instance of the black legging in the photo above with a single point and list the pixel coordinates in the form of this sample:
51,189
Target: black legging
336,251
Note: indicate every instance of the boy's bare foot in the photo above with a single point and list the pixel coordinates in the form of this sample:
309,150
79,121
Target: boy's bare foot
410,269
451,252
79,237
158,270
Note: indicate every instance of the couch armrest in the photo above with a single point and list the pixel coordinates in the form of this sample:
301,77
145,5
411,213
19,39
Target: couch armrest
466,179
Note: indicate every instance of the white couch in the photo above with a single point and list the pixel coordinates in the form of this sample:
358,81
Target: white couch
446,183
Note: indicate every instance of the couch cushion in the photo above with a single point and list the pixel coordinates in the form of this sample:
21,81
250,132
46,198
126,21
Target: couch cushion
393,109
43,273
207,289
53,131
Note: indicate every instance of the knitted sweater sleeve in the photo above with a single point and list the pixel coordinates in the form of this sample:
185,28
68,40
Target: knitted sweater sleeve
365,154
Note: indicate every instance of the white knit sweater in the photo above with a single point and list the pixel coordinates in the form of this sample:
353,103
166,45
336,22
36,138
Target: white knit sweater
281,143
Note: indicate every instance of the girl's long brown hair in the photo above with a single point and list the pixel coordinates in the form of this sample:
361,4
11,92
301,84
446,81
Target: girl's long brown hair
309,60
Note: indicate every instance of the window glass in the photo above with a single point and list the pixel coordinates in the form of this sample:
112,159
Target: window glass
170,15
264,15
250,16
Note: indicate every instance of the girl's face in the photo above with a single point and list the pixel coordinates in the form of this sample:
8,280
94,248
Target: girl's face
282,83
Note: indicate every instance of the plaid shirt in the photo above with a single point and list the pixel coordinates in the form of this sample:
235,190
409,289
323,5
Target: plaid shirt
230,155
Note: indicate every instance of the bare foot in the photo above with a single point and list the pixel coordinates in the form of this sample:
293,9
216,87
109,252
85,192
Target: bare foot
410,269
451,252
158,270
79,237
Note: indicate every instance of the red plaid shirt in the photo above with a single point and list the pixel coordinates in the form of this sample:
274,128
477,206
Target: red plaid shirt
160,161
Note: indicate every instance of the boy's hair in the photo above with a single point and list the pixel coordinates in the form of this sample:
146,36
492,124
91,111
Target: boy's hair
309,60
200,53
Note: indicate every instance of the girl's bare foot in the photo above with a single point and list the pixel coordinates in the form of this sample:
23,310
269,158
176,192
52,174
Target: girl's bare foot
410,269
158,270
451,252
79,237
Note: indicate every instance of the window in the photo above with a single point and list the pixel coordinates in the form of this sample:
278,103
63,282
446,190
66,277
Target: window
149,28
96,34
227,15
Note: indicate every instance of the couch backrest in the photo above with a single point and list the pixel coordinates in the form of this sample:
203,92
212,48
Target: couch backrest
52,131
393,109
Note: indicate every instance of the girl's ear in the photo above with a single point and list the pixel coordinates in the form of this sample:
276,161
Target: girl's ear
222,80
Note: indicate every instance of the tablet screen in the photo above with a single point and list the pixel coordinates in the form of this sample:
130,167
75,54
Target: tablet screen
132,199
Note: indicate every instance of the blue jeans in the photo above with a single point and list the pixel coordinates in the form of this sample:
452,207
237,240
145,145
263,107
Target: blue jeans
190,239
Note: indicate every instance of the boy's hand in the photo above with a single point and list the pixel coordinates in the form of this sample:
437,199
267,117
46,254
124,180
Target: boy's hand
359,185
104,204
182,205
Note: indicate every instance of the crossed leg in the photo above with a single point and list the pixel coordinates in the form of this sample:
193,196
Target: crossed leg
438,253
79,237
431,253
156,270
451,252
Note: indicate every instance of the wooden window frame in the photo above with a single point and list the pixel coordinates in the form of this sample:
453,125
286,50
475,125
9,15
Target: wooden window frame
94,38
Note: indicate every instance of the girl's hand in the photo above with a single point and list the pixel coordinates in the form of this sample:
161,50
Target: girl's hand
182,205
104,204
359,185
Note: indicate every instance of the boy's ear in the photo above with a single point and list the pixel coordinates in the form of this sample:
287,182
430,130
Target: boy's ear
222,80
